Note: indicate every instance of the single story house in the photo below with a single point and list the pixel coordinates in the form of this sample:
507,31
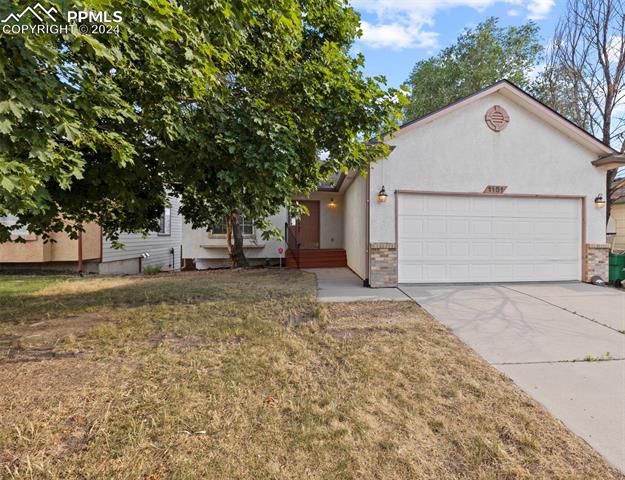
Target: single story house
618,213
162,249
495,187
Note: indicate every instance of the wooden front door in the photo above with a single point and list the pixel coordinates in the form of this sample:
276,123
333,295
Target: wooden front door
307,228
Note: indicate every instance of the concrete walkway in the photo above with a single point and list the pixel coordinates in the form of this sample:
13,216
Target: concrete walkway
343,285
562,343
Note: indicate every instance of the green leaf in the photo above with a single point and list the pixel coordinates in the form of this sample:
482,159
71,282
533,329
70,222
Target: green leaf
7,184
69,131
5,126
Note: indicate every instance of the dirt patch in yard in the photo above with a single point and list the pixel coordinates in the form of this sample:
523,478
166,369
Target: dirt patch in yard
51,338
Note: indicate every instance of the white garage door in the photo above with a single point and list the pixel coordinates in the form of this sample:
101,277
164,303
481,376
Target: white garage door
448,239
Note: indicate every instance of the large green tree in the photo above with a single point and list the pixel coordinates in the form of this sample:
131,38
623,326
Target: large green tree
284,106
479,57
81,115
227,105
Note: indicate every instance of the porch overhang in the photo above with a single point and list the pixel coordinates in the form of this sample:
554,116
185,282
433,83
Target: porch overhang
610,162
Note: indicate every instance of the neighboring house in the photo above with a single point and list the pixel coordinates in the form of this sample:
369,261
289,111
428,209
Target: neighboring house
161,249
495,187
618,213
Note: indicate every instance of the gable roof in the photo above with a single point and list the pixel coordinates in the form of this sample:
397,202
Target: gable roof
516,94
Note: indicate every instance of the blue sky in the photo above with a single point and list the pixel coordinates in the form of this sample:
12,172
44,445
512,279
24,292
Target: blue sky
398,33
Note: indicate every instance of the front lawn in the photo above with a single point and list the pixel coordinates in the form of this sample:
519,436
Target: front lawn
242,375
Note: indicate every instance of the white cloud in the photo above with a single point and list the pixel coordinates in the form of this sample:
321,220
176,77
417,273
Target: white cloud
397,36
536,71
615,48
539,9
402,24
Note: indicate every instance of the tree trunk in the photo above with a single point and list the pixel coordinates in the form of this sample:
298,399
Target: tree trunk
609,178
235,241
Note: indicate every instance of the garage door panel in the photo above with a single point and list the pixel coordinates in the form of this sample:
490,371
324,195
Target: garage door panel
413,250
503,250
458,206
481,250
458,226
436,225
435,204
411,270
503,227
435,249
412,225
495,239
459,272
546,250
481,226
457,249
438,272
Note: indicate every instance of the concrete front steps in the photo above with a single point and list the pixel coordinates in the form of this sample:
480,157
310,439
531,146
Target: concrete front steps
316,258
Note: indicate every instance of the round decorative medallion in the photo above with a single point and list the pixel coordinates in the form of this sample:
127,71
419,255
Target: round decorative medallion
497,118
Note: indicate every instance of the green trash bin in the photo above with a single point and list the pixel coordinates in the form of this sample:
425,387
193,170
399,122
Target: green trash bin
617,267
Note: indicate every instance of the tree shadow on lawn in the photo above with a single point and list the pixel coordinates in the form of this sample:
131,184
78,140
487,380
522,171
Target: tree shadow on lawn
104,293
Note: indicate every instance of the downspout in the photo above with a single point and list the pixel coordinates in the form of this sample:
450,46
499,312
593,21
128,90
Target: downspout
101,244
80,251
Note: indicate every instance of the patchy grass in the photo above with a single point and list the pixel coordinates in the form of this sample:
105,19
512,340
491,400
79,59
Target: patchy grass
242,375
13,285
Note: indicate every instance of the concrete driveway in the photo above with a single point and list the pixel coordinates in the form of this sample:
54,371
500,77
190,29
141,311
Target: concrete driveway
563,343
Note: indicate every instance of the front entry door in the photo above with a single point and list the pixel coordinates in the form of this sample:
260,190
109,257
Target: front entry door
306,229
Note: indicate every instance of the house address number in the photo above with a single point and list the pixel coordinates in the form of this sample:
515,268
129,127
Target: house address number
496,189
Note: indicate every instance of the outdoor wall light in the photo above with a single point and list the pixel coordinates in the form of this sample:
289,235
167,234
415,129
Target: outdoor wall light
599,201
382,195
332,203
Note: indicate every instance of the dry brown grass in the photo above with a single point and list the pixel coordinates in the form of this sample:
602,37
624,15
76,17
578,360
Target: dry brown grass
243,375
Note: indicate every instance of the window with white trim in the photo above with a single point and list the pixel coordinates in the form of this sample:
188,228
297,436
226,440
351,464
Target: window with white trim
247,228
164,224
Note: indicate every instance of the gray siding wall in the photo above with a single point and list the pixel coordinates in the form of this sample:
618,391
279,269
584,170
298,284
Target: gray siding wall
158,246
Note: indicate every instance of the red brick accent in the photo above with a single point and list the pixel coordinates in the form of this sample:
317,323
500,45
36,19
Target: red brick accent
383,265
597,256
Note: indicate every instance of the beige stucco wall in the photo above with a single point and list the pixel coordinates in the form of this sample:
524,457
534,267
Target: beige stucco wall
34,250
61,250
66,249
330,219
459,153
618,214
354,226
